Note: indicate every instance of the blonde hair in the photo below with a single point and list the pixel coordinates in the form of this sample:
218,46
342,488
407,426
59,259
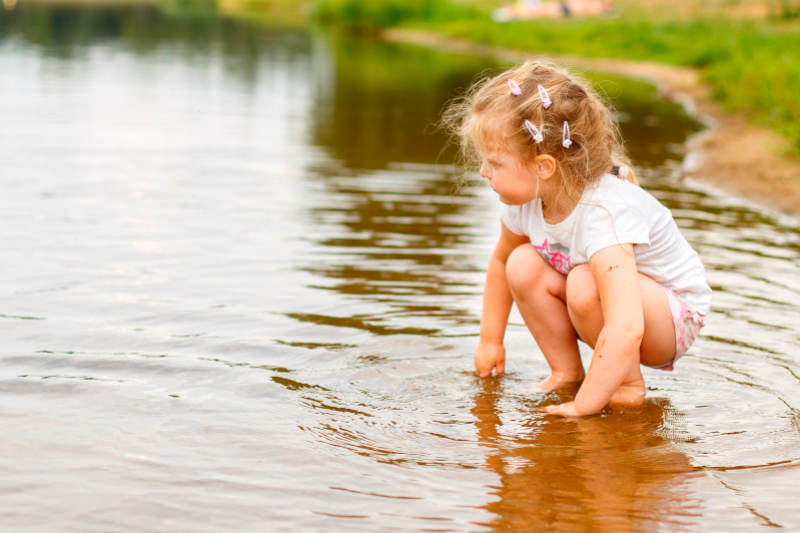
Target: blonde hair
490,118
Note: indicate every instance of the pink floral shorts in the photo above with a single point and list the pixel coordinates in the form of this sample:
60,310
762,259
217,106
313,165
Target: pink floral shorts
687,325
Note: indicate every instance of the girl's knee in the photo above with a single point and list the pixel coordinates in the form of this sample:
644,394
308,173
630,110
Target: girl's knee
523,268
583,297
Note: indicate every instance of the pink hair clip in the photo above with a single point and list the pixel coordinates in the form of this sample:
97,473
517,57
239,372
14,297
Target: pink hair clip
566,140
546,102
623,172
515,90
534,131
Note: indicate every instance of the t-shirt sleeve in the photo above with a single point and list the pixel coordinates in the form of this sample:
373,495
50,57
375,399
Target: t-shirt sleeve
613,223
515,218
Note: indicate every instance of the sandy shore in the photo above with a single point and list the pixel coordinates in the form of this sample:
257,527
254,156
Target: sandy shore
731,154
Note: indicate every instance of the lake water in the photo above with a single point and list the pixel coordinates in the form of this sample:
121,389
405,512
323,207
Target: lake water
240,293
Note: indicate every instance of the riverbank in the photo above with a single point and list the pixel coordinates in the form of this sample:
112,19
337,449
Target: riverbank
739,65
732,153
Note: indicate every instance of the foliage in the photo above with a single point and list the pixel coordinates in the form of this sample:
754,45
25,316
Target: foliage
752,66
788,9
761,74
375,14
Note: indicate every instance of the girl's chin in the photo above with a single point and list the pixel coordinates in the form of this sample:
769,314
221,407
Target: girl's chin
515,200
508,201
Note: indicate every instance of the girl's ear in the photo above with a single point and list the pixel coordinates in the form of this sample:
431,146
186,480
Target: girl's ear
545,166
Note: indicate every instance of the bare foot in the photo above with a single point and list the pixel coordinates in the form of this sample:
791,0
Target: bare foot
562,381
629,394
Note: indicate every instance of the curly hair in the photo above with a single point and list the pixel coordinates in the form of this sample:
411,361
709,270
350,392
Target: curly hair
489,119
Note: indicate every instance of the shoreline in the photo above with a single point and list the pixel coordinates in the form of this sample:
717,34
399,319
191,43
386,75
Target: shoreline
730,154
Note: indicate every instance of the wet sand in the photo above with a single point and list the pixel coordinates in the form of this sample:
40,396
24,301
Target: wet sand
731,153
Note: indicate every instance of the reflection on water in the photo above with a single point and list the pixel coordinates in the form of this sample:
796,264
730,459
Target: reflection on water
364,117
242,293
398,246
607,473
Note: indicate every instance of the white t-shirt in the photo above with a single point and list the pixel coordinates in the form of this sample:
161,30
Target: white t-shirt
614,211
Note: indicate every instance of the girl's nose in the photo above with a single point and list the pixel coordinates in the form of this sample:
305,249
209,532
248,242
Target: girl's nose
484,172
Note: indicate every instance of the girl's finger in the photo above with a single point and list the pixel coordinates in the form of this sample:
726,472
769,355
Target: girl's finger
484,372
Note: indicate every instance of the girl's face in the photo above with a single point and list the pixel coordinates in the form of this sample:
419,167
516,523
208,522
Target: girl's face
510,178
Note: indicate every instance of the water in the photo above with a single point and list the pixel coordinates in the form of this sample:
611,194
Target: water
240,293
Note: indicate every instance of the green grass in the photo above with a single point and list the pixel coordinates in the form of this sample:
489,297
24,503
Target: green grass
752,66
376,14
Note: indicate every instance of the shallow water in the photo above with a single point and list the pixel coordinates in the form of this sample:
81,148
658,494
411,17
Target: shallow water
241,293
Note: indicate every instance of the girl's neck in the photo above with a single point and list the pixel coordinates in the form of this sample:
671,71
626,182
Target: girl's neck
559,204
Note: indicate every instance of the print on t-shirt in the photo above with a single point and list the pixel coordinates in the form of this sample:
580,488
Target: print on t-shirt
556,255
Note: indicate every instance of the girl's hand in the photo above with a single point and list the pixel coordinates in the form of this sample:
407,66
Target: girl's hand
567,410
490,357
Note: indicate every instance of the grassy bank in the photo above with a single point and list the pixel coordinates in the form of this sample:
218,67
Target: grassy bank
369,15
753,66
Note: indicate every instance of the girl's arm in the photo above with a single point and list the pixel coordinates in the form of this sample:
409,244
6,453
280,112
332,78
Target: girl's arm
616,355
490,354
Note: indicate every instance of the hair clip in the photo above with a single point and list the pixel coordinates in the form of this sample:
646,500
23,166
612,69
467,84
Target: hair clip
566,141
546,102
534,131
623,172
515,90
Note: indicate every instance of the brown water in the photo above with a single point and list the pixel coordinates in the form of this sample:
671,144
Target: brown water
240,294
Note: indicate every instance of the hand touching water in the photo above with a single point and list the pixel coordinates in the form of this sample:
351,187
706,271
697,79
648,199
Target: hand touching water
490,357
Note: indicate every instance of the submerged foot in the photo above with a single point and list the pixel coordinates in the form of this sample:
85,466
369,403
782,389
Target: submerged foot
629,394
561,381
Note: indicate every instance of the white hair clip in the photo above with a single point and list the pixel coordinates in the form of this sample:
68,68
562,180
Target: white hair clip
546,102
534,131
623,172
515,90
566,141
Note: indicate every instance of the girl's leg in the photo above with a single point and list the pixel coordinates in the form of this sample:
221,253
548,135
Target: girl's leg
540,292
586,313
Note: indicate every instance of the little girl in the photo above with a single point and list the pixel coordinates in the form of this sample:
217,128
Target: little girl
584,251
